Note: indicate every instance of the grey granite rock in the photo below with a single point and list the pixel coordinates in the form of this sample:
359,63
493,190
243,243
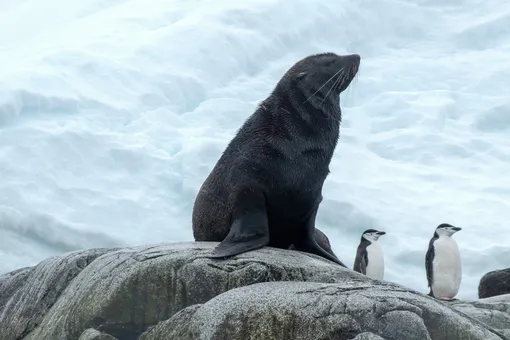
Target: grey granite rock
94,334
172,291
368,336
28,294
11,282
494,283
494,311
123,292
311,310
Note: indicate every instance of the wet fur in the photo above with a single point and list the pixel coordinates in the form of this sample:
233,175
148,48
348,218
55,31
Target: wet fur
267,185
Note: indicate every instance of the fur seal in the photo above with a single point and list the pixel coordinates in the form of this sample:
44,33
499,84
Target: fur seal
266,187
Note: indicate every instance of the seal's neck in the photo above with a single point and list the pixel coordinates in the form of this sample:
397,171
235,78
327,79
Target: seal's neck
317,108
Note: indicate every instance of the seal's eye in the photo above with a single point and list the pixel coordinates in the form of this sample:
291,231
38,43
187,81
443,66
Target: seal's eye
301,75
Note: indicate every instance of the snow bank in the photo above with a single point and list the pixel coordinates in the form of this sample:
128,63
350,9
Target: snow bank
112,113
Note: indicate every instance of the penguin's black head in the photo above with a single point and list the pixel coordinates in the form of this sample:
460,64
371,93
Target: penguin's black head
445,229
372,235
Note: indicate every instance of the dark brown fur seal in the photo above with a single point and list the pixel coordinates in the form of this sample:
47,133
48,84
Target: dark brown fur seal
267,186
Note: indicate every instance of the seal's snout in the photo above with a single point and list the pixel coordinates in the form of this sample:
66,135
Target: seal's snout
355,59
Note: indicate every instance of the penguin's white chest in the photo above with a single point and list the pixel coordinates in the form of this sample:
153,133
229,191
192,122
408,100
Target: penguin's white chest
375,267
446,268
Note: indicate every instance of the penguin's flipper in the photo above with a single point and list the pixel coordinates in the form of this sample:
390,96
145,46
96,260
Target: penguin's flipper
361,261
429,259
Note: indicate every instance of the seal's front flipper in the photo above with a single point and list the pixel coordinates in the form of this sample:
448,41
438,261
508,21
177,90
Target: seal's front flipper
249,229
235,245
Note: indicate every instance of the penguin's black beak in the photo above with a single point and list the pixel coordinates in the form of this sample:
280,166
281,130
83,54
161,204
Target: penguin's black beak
457,228
380,233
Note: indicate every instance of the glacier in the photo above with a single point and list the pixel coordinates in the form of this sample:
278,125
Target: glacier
113,112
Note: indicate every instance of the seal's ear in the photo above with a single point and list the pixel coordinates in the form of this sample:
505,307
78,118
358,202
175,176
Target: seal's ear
301,75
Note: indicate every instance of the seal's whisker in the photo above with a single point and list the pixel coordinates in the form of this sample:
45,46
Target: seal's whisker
337,80
320,88
354,73
331,88
340,80
344,78
357,74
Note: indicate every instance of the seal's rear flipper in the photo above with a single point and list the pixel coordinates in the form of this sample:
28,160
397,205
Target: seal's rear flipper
249,229
306,242
310,246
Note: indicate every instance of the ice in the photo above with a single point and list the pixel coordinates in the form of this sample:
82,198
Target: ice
112,113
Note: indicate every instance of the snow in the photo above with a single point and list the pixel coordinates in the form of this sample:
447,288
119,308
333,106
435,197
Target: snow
112,113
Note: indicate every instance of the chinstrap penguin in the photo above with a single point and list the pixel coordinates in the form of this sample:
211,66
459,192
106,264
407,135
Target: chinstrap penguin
369,255
442,263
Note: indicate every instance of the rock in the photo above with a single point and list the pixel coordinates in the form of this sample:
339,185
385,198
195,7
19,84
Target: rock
93,334
172,291
124,291
28,294
367,336
494,311
11,282
312,310
494,283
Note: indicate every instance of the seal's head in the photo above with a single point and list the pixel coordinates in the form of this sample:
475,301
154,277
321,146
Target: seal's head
322,76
